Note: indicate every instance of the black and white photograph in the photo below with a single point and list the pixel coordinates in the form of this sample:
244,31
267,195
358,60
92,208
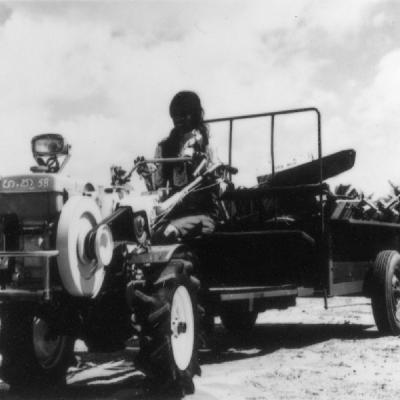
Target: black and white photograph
199,199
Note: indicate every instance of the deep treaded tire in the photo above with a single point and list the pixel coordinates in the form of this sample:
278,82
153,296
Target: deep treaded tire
168,348
385,292
32,354
236,321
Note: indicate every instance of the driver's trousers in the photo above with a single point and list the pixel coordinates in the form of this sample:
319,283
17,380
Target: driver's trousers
185,227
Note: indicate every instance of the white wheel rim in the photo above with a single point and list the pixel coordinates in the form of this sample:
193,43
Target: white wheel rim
104,245
80,276
48,349
182,328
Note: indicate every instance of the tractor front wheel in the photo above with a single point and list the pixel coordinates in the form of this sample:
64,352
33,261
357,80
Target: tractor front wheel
33,353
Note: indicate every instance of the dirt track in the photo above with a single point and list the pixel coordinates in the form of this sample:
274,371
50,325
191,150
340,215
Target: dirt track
301,353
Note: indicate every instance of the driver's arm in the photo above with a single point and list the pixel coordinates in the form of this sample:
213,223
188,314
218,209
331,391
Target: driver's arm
150,173
157,177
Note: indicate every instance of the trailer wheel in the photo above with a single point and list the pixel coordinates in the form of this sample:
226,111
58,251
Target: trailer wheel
385,292
32,353
238,320
168,343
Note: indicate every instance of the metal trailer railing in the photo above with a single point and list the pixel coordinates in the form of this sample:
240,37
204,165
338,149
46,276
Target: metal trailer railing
272,115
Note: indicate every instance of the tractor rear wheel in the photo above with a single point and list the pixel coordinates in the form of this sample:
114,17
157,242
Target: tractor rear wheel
385,292
32,352
168,342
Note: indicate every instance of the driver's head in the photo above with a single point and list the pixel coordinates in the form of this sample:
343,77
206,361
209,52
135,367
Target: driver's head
186,110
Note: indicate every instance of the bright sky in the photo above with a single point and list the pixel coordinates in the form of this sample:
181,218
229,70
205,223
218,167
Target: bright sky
103,74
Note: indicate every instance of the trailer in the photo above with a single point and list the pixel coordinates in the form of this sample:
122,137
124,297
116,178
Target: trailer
291,235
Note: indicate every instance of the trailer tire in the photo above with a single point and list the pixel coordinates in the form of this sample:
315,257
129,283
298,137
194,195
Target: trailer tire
236,321
168,342
385,292
30,357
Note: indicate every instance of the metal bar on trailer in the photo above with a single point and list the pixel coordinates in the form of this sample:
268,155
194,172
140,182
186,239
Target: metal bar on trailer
273,114
259,115
272,152
257,294
272,232
230,145
368,223
320,170
238,289
272,144
230,142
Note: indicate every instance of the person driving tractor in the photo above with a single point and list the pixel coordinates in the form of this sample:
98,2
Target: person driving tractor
188,138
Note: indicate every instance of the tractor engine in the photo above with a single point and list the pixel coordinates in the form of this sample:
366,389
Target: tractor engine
44,220
29,208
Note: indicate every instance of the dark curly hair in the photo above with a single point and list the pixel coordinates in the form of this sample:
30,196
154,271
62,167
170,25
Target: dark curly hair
182,104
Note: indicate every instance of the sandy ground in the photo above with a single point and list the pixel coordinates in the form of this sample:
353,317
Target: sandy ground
305,352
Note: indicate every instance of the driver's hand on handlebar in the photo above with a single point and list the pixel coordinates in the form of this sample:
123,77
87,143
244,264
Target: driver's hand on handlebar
228,169
139,159
200,162
143,168
198,156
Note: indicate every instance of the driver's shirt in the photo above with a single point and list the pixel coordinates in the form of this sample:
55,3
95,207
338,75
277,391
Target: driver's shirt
190,143
201,202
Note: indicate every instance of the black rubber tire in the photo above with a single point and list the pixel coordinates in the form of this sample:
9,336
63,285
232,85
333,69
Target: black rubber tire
238,320
385,292
156,357
20,365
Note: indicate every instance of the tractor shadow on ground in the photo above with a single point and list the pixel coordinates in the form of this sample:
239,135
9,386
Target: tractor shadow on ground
113,376
96,377
266,338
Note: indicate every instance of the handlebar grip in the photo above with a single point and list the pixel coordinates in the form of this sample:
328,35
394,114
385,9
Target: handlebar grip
231,170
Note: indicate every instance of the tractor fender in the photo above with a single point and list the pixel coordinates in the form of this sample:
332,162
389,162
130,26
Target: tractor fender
168,257
157,254
175,268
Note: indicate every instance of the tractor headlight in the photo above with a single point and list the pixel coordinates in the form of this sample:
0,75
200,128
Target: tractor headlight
48,144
